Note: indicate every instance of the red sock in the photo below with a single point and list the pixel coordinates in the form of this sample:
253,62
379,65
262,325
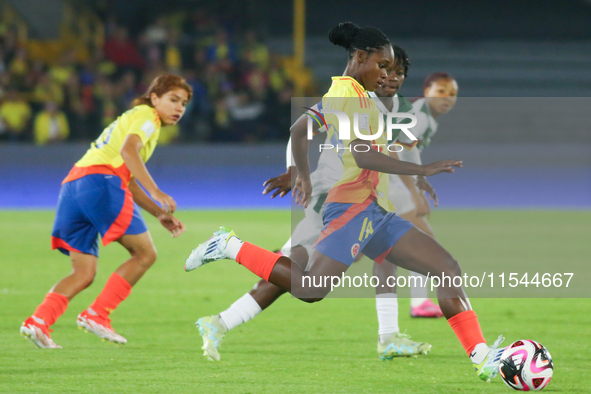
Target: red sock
53,306
465,325
116,290
258,260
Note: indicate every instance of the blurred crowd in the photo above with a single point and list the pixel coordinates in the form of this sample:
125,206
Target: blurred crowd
242,91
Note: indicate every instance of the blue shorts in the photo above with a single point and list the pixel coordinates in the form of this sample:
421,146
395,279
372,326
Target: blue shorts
92,205
350,229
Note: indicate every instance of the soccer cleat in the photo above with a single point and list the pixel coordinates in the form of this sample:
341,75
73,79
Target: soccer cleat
400,345
489,367
427,309
38,333
100,327
211,250
212,331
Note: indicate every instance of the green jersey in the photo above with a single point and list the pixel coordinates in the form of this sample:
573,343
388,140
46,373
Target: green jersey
424,130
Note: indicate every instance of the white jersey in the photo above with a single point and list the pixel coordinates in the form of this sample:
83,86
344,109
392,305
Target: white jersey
424,130
328,172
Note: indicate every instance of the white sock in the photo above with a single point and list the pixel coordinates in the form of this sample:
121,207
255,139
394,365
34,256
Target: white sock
241,311
479,353
418,292
234,245
387,307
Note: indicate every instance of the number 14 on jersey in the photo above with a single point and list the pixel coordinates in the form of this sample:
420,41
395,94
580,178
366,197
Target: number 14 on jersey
366,230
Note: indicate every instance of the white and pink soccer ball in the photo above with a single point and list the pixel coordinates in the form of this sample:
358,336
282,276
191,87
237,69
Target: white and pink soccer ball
526,365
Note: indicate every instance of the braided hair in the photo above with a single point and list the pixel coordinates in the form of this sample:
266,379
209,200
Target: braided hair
352,37
401,58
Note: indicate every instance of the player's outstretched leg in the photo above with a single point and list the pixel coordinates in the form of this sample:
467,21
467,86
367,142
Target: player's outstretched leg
278,270
392,343
225,244
416,251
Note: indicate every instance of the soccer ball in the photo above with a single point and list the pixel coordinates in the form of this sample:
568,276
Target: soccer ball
526,365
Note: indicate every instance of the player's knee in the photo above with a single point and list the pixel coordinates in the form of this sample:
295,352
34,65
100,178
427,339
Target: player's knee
88,281
148,257
313,295
85,277
454,266
450,267
299,254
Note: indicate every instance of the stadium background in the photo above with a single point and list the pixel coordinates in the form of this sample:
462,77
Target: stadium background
523,70
521,201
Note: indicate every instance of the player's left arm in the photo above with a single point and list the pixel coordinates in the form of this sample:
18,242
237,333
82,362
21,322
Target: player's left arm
168,221
418,198
130,152
424,185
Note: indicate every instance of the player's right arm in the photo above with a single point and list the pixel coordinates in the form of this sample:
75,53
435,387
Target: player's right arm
130,152
283,183
287,181
302,190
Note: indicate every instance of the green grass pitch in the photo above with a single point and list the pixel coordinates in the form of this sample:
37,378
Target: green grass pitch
328,347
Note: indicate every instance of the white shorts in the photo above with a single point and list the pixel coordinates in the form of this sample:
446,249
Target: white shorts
400,196
309,228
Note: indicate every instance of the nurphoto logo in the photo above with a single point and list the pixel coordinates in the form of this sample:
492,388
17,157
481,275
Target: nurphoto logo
360,122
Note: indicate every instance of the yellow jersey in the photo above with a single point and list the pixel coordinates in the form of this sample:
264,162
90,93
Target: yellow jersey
104,155
356,184
16,114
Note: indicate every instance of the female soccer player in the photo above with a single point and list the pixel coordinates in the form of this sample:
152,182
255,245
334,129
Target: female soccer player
391,343
357,213
101,195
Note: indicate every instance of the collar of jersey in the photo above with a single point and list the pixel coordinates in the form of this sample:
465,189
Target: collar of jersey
341,78
379,103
